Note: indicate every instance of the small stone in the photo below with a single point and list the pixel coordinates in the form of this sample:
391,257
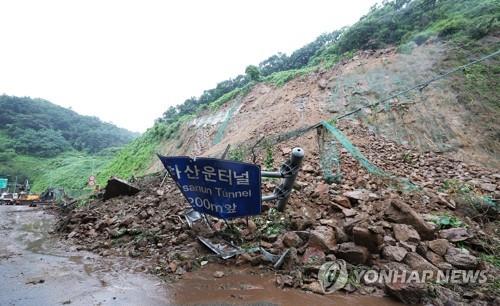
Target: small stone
218,274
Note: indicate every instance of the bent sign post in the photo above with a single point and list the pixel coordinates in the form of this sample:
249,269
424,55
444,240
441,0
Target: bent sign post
221,188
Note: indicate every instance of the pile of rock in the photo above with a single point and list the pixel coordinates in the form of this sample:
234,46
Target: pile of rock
363,220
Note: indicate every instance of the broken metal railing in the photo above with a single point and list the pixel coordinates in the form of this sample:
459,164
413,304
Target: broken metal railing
288,171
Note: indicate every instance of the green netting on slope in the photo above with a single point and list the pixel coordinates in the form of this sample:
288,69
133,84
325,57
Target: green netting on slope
371,168
329,156
229,115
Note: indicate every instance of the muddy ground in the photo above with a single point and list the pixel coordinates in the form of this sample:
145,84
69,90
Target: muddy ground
37,269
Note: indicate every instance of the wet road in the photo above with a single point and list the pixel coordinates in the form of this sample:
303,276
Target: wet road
36,269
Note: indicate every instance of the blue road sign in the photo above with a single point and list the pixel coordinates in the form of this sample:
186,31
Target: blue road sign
221,188
3,183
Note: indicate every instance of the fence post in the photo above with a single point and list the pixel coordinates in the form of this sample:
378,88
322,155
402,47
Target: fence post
289,170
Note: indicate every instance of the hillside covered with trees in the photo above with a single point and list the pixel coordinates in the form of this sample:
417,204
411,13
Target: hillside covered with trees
37,138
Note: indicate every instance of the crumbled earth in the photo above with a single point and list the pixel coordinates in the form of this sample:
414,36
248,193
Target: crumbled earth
449,222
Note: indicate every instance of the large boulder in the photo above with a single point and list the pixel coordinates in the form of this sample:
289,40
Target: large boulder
399,212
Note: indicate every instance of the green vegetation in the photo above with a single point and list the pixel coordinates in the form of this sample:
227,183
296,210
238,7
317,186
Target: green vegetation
39,128
448,221
53,146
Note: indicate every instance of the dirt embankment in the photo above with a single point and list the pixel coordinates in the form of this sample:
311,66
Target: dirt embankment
446,224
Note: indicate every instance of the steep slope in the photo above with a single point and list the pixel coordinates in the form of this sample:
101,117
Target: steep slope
51,145
396,46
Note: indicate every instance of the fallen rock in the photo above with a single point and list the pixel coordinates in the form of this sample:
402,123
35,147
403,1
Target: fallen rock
439,246
314,287
357,195
370,238
342,201
455,234
417,262
116,187
291,239
461,259
394,253
313,256
322,84
352,253
323,237
411,293
400,212
218,274
322,190
434,258
488,187
406,233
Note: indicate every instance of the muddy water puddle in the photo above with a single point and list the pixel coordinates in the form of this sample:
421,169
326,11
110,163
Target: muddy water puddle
249,286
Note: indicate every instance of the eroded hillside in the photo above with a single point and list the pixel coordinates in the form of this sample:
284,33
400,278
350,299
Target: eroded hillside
436,118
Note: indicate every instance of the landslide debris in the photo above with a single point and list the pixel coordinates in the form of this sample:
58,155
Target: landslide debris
450,222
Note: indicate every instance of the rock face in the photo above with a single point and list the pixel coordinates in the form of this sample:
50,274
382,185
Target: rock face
352,253
400,212
394,253
405,233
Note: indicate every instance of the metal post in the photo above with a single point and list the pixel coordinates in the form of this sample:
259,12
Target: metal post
289,171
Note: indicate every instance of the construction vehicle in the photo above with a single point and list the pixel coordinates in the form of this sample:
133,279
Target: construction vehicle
27,199
7,198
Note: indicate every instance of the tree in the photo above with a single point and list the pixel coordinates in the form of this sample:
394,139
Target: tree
253,72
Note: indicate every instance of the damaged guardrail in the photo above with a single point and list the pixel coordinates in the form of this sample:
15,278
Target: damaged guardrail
288,172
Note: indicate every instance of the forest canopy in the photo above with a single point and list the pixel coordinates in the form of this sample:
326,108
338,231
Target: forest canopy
40,128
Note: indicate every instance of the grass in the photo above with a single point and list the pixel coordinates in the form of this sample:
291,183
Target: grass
69,170
133,159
